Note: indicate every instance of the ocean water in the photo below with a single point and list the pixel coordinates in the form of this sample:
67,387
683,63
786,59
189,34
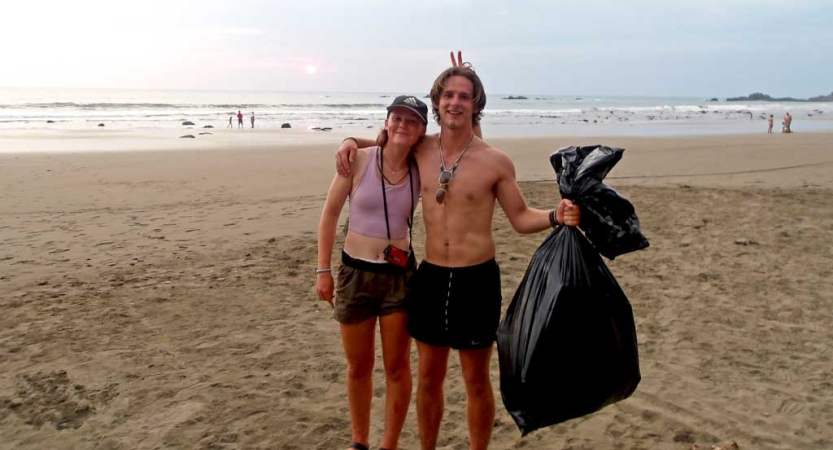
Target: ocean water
348,112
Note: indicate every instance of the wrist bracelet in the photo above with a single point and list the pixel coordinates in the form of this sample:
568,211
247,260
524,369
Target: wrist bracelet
553,220
319,271
352,139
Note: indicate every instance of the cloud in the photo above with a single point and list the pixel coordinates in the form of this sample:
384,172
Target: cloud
595,46
223,32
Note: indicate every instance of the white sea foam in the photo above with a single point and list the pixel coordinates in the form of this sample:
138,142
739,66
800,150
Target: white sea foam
544,114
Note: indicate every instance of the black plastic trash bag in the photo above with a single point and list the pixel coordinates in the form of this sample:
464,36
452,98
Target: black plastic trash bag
607,218
567,345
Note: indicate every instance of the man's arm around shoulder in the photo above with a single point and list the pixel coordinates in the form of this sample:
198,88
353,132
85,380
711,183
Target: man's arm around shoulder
346,153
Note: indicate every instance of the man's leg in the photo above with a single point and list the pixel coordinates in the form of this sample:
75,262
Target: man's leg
358,342
433,366
480,399
396,353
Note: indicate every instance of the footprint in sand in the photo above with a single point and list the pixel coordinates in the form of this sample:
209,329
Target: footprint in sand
790,407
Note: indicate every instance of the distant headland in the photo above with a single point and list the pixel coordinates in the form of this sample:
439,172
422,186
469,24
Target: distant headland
759,97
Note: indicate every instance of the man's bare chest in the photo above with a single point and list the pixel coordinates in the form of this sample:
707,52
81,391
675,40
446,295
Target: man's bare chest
472,181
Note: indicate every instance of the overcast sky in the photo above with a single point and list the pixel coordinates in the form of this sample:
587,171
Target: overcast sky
698,48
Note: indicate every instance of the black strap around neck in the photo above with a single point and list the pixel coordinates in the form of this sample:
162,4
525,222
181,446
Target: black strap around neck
385,198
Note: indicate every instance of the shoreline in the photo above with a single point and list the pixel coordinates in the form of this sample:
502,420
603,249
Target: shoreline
113,140
718,160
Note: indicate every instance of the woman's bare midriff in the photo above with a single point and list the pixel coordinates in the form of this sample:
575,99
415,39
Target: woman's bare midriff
370,248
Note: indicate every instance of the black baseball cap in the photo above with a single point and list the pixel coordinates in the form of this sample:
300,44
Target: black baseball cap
414,104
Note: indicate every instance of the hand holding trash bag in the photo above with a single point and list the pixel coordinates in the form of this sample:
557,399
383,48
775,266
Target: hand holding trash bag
567,345
568,213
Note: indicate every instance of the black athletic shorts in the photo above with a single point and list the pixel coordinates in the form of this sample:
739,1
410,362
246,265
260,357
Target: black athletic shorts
457,307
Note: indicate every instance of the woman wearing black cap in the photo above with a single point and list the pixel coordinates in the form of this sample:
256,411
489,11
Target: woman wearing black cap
376,263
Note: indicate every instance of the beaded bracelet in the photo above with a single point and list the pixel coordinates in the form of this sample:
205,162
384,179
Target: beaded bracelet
553,220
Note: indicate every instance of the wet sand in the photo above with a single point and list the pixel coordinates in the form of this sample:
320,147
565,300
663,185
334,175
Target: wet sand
164,298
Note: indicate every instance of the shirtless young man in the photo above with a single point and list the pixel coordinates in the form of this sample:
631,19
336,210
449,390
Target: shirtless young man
455,295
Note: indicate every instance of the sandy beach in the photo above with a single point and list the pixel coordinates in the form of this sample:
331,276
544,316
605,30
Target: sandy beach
163,297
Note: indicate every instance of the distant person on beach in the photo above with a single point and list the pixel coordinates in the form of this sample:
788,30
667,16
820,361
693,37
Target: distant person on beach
455,297
771,118
253,119
239,119
787,123
230,122
377,262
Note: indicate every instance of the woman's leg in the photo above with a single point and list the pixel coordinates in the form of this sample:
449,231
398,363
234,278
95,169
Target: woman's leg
396,352
358,341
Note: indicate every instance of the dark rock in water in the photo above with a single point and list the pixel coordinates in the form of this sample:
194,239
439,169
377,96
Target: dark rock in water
821,98
757,96
321,128
286,125
714,99
513,97
209,126
188,136
50,121
326,129
427,96
205,132
101,124
579,98
187,122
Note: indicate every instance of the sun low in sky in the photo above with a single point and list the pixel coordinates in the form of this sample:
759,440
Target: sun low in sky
691,48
